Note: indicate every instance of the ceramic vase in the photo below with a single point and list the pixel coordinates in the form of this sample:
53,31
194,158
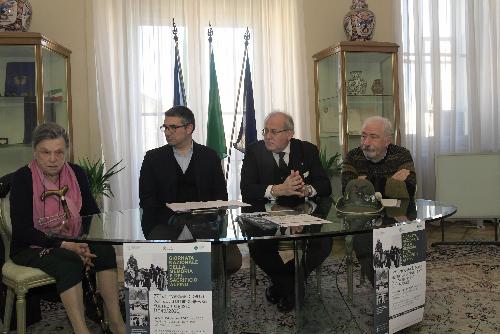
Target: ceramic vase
359,22
356,85
377,87
15,15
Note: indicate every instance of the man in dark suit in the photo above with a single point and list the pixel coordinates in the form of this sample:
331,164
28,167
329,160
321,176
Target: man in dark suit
283,171
181,171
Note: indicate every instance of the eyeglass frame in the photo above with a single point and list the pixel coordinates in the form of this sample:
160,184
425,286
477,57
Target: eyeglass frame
273,132
172,128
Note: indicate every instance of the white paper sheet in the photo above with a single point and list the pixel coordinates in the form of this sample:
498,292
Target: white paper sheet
296,220
390,202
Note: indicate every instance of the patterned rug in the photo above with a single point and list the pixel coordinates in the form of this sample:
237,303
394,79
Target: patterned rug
463,296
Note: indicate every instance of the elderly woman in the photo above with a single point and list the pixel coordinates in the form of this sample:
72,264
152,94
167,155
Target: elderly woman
50,195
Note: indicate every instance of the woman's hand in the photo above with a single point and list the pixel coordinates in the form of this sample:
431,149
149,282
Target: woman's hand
82,249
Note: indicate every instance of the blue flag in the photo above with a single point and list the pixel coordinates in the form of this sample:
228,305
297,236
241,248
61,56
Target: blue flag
248,128
179,99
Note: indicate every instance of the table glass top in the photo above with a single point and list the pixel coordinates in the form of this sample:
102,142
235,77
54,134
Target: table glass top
232,226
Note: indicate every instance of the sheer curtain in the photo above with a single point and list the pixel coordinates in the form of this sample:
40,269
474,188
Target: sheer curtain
451,79
134,64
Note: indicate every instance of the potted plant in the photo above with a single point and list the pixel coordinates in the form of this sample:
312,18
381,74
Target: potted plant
333,166
99,177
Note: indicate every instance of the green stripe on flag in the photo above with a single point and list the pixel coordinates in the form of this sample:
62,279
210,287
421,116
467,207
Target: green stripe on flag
215,126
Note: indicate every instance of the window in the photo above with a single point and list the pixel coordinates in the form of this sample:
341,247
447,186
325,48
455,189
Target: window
434,61
156,64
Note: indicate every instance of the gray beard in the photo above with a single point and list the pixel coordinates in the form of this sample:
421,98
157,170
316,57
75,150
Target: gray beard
375,160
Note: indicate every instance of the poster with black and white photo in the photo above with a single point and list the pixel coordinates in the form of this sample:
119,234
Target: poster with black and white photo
168,287
399,254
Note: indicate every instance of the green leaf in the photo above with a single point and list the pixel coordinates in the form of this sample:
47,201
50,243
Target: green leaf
99,176
332,165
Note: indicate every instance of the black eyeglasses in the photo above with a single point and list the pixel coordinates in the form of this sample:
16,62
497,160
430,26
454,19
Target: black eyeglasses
171,128
272,131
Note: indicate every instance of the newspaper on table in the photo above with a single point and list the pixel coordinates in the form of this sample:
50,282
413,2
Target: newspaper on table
399,255
168,287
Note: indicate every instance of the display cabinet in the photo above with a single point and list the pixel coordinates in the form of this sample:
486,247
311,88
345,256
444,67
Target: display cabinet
34,88
353,81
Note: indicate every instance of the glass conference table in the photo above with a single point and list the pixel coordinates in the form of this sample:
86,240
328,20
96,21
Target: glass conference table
331,302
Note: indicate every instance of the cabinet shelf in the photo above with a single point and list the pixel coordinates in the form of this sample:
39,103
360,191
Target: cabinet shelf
326,99
370,95
23,99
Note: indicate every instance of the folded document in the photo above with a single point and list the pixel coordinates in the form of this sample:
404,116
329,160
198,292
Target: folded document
284,218
188,206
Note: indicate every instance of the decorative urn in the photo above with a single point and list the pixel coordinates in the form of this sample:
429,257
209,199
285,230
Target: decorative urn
15,15
359,22
356,85
377,87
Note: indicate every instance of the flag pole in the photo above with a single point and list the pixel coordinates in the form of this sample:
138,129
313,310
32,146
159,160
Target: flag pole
215,124
178,60
246,37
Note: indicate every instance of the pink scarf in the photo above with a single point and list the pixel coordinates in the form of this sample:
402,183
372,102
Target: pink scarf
49,214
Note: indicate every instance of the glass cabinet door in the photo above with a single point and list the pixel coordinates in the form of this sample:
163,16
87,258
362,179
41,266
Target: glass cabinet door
55,89
329,113
369,90
18,107
354,80
34,88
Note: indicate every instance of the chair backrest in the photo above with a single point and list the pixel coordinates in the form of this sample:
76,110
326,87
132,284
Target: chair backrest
5,224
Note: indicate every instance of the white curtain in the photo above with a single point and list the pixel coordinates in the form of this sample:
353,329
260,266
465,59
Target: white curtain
134,59
451,80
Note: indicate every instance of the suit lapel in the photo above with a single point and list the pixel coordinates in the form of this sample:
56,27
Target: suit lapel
198,168
168,169
268,165
296,156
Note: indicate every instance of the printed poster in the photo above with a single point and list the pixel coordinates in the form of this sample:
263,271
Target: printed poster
399,255
168,288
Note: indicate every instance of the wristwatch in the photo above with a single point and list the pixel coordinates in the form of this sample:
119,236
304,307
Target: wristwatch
309,190
273,193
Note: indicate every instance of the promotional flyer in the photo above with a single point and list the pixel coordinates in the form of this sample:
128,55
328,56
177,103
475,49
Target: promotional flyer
168,287
399,255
